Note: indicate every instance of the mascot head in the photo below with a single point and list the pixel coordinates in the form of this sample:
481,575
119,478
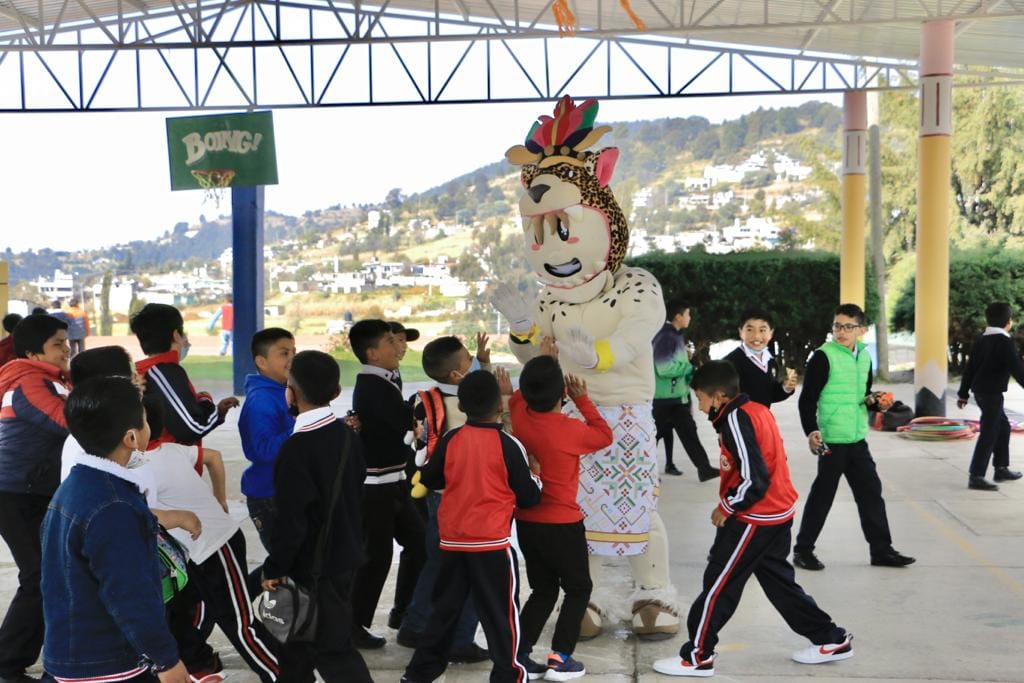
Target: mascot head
576,235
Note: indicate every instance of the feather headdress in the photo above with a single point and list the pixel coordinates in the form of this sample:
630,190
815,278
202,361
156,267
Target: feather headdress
562,138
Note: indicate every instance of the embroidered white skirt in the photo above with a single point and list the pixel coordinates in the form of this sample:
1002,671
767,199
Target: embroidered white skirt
619,485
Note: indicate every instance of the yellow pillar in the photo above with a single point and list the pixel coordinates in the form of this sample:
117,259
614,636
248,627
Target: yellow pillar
853,197
931,303
4,291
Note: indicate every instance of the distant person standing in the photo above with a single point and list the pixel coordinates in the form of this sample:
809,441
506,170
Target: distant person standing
672,407
78,326
58,313
226,315
994,359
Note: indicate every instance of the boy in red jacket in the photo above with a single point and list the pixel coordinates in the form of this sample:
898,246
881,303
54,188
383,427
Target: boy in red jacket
754,518
551,534
32,432
485,476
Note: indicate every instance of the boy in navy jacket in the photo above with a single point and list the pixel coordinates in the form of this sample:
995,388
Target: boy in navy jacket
103,601
388,511
753,518
304,476
994,358
484,474
265,423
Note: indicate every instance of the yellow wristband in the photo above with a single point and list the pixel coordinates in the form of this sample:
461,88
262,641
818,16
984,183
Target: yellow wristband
605,357
528,338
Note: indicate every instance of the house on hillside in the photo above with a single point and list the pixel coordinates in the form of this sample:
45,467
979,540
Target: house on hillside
62,286
692,183
722,174
792,169
754,232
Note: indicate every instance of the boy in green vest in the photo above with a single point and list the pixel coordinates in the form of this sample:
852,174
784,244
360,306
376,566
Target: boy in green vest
834,414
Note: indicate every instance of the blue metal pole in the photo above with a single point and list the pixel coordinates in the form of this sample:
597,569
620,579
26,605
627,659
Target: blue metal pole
247,278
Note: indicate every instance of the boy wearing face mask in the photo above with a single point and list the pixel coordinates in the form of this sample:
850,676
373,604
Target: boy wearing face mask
104,613
757,368
188,415
446,361
388,511
196,516
753,522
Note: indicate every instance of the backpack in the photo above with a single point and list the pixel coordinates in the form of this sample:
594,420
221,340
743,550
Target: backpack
433,407
898,415
173,564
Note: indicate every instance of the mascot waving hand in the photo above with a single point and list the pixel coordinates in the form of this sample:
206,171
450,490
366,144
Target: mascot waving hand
602,316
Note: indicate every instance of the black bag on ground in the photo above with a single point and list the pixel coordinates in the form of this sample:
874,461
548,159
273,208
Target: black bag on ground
890,420
289,613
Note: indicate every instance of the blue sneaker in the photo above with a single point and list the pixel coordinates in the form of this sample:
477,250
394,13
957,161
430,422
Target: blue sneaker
563,668
534,670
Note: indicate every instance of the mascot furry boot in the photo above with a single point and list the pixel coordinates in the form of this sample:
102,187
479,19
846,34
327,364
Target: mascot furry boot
602,317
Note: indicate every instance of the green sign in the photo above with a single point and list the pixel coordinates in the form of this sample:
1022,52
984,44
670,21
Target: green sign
227,150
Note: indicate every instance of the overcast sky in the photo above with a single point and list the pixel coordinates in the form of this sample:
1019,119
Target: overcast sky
72,181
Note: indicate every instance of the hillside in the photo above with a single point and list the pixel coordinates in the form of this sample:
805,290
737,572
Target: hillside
656,154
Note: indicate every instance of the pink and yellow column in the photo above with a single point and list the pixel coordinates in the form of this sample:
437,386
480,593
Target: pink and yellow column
931,303
853,195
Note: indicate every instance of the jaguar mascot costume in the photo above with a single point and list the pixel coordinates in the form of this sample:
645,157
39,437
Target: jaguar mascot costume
602,316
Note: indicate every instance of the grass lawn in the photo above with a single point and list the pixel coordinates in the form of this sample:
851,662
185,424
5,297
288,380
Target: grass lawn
219,368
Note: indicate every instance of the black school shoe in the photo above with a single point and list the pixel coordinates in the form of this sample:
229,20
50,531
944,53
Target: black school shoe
408,638
981,484
806,559
470,653
708,474
395,617
1006,474
891,558
364,640
673,470
20,678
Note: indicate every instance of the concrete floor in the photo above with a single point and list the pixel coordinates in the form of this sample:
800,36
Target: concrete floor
956,615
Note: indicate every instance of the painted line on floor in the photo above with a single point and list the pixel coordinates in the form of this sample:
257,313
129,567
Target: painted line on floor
999,573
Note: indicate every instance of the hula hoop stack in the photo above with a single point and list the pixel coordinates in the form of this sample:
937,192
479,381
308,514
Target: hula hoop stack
939,429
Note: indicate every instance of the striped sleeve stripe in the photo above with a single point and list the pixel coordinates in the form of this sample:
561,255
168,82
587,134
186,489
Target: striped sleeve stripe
496,544
773,518
164,386
741,449
123,676
522,449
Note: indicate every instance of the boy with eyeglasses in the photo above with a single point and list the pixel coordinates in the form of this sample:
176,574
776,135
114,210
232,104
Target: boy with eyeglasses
834,414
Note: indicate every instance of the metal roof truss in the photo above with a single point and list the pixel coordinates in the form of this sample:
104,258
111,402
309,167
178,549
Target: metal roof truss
273,54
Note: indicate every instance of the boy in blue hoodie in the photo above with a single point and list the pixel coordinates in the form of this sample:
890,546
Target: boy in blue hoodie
265,423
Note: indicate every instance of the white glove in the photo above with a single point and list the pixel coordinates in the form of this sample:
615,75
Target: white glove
511,304
578,346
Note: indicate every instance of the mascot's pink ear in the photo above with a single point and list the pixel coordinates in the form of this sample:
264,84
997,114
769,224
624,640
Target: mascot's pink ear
606,160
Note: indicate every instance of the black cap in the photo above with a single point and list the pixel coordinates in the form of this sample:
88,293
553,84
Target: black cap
410,333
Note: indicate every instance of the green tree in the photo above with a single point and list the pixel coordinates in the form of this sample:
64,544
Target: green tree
106,320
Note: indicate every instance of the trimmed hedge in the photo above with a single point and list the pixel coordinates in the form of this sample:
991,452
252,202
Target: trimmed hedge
798,288
976,279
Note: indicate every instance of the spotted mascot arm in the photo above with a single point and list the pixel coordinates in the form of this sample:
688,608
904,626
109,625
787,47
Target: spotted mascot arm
638,294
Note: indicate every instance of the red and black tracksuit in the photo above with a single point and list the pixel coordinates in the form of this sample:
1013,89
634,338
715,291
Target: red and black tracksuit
188,415
757,495
485,476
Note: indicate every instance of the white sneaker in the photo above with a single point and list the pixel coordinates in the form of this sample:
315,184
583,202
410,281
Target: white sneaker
830,652
677,666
